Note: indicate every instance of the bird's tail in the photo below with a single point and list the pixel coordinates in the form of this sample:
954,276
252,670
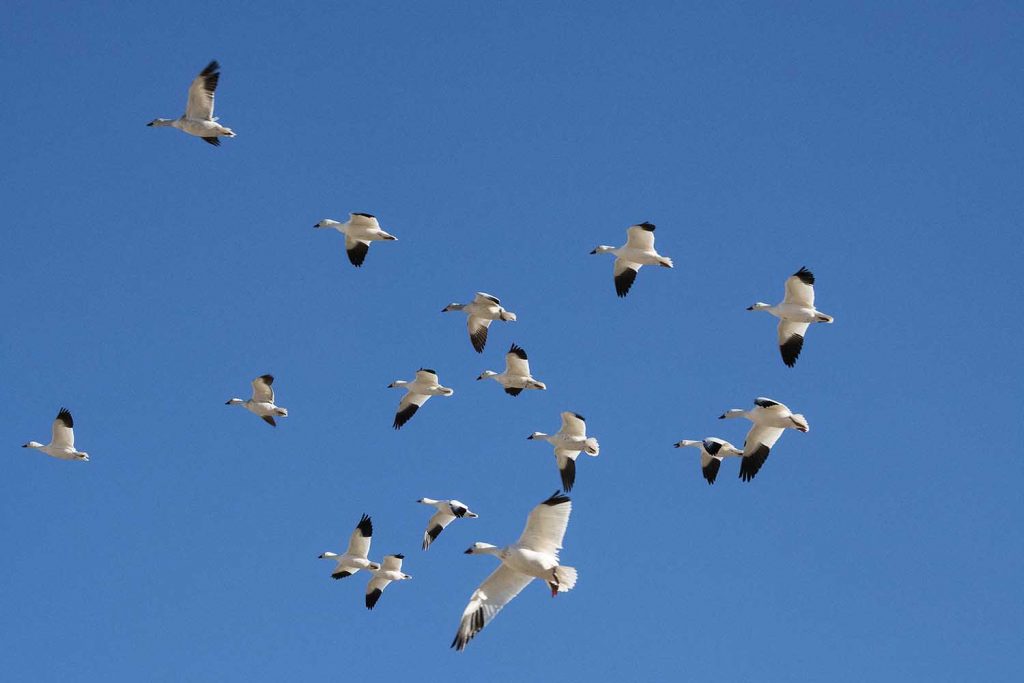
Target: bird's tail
666,262
591,446
822,318
566,578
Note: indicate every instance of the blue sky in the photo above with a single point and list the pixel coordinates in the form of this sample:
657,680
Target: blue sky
149,277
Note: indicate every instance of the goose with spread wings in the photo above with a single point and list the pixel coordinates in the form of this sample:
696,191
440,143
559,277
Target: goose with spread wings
533,556
417,392
636,252
447,512
198,119
795,314
569,441
517,373
262,401
712,451
62,439
770,419
359,230
482,310
390,570
356,557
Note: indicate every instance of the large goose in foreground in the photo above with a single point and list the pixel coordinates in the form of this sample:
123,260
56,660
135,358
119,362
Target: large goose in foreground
533,556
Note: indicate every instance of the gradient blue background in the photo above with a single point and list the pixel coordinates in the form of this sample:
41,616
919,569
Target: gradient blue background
147,277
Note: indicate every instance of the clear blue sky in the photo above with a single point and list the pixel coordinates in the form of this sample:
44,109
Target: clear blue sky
147,277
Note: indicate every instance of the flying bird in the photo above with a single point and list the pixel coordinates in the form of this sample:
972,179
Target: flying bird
417,392
198,118
568,442
481,311
517,373
795,314
447,512
356,556
533,556
262,401
359,230
62,439
770,419
712,452
389,570
636,252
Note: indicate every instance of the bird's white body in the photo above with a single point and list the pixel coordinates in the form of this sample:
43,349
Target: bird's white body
389,570
533,556
262,401
417,393
481,311
62,440
636,252
796,313
359,230
770,419
517,373
198,119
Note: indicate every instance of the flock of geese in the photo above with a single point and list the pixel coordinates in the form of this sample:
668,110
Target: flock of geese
535,555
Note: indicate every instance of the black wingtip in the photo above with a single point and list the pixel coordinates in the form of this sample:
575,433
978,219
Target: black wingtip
791,350
806,276
646,225
372,597
365,526
518,350
751,464
404,415
580,417
357,254
623,282
213,66
568,474
711,471
513,391
479,339
64,415
556,498
267,379
215,141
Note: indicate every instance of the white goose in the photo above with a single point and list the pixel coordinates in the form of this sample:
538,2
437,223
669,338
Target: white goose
447,512
770,419
568,442
62,439
517,373
356,556
795,314
481,311
636,252
533,556
262,401
712,452
198,118
389,570
417,392
359,230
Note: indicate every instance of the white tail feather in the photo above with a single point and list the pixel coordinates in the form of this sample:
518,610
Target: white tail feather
566,578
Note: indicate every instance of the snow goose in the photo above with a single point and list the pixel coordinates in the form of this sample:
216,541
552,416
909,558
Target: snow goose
447,512
356,557
481,311
533,556
517,373
712,452
390,570
795,314
636,252
262,401
359,230
568,442
62,439
198,118
417,392
770,419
